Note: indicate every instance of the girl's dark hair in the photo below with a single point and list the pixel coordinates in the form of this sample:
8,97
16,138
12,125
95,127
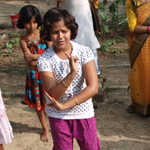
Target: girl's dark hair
25,15
54,15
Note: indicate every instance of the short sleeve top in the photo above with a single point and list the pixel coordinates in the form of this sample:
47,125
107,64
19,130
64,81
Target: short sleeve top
49,61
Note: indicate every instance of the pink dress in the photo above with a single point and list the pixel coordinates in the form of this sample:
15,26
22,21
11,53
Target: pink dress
6,133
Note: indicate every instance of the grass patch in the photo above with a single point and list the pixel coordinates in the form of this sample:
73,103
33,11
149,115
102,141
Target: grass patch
11,71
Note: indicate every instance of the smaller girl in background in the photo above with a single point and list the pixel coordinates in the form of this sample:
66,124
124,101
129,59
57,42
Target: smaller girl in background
32,47
6,133
70,79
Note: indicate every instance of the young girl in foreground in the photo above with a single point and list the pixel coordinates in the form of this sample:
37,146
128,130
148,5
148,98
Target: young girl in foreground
32,47
6,133
70,80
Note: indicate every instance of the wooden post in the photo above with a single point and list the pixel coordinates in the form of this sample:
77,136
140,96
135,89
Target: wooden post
58,4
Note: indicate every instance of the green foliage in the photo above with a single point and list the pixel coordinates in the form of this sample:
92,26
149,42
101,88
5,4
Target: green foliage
15,56
14,34
8,45
113,17
112,8
101,6
106,28
15,71
13,42
17,39
104,17
105,46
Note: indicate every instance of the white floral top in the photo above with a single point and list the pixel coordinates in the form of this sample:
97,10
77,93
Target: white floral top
49,61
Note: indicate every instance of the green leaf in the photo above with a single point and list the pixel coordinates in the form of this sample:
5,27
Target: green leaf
114,51
106,28
104,17
17,39
117,1
118,40
105,2
12,41
102,14
10,52
8,45
107,43
103,48
114,41
112,8
101,6
123,2
15,56
106,49
2,52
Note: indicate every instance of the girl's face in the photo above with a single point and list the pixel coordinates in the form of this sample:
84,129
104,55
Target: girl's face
60,35
31,25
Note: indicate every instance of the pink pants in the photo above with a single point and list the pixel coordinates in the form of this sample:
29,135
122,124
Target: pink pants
83,130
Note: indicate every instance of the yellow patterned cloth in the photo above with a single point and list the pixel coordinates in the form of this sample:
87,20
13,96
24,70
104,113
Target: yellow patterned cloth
139,77
130,10
96,4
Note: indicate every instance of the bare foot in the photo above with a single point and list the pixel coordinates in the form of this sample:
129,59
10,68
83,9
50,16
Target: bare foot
44,136
1,147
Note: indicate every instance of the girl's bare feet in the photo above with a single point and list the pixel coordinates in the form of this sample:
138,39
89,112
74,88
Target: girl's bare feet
44,136
1,147
130,109
41,115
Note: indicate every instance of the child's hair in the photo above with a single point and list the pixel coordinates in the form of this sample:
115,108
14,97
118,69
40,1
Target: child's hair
54,15
25,15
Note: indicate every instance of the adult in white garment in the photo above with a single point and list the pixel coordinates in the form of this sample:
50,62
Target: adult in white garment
80,9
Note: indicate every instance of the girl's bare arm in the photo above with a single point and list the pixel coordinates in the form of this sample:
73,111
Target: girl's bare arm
28,56
57,90
91,78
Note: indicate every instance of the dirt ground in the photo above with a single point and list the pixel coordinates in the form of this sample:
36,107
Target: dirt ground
117,129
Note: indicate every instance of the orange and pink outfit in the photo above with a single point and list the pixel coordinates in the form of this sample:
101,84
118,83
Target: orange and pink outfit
139,54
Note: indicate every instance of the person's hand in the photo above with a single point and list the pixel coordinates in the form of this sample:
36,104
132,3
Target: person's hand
55,104
73,61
